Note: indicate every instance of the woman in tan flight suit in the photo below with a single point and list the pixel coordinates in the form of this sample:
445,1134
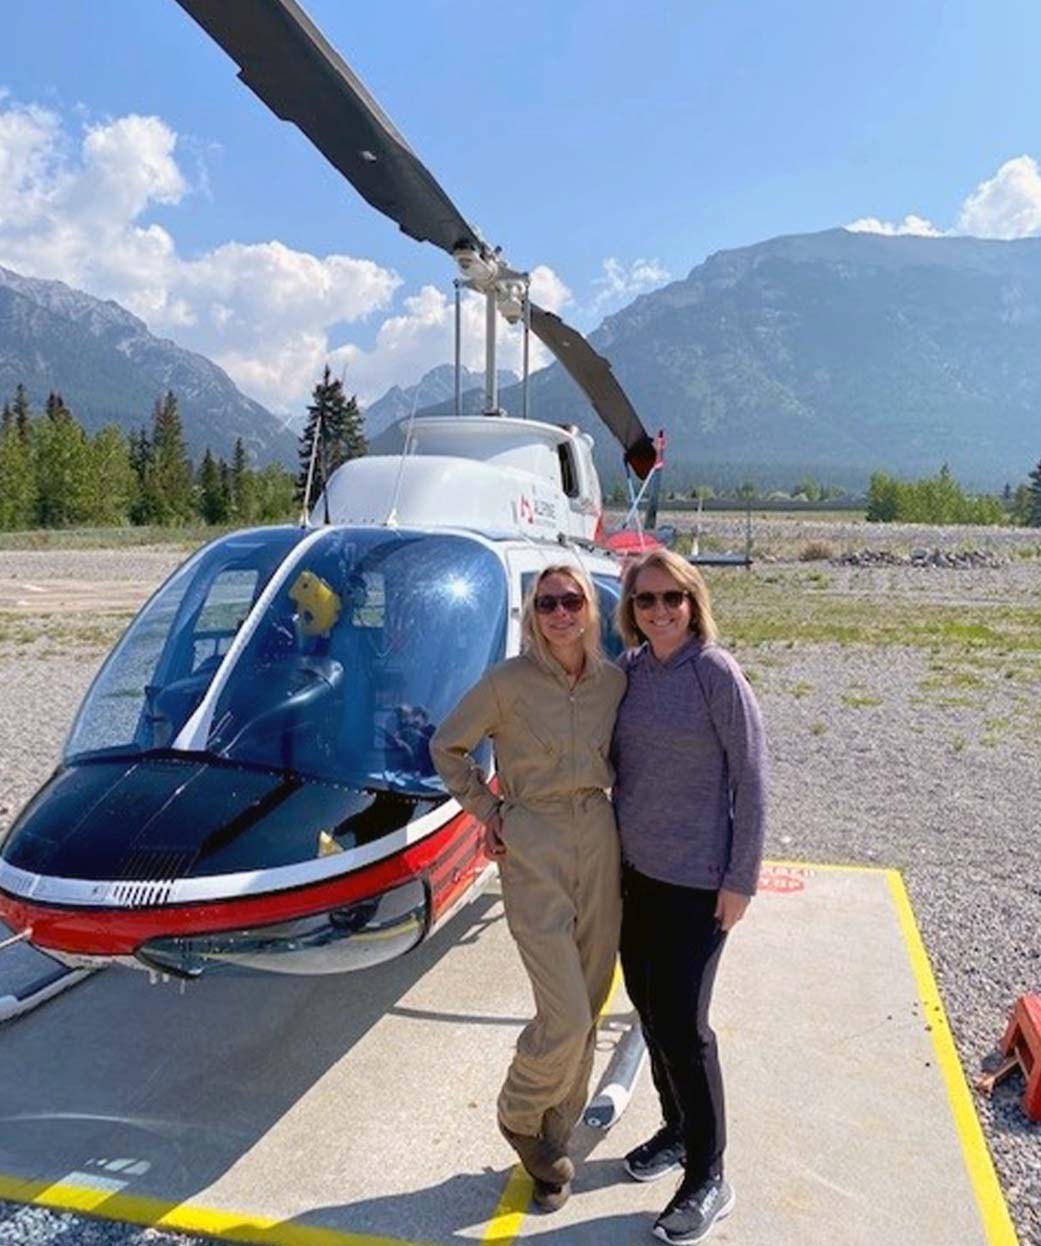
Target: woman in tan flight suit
551,713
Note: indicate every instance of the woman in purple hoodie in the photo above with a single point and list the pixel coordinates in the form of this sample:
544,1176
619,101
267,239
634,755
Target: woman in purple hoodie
689,795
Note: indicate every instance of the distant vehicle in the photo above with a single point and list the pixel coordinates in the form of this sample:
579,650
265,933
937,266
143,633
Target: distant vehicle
248,781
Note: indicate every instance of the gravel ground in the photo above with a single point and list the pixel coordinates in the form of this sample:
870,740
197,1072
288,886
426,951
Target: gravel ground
896,757
787,538
142,565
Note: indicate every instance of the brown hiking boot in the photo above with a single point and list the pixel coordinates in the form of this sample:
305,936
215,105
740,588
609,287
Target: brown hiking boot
543,1161
548,1197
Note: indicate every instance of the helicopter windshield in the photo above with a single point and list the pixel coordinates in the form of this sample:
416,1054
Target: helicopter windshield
166,660
372,637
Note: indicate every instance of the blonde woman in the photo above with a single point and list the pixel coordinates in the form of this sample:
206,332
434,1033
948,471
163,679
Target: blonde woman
689,797
550,713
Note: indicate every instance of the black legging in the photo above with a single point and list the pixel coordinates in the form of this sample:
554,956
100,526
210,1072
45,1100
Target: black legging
671,944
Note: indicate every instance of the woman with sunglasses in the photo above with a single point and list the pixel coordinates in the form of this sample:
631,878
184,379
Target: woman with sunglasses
689,796
551,827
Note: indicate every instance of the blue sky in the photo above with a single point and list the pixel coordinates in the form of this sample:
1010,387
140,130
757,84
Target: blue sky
609,146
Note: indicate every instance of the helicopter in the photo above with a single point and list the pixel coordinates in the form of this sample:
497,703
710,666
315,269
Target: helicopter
248,782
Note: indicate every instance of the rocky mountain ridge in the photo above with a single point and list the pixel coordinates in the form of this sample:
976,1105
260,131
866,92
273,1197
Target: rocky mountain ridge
111,370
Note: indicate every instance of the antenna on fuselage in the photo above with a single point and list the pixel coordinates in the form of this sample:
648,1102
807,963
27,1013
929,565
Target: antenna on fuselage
305,513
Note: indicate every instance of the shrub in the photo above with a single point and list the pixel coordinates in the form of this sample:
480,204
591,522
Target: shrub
815,551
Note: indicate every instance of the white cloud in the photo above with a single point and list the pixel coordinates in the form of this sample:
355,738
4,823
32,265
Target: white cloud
74,203
911,224
1007,205
71,210
423,336
620,284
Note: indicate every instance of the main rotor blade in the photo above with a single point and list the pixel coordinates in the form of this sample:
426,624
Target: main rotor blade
593,373
286,61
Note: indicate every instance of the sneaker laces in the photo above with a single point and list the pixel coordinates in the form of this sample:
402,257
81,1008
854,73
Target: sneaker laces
702,1195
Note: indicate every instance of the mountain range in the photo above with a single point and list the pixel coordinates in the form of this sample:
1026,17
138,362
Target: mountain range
435,386
835,353
111,370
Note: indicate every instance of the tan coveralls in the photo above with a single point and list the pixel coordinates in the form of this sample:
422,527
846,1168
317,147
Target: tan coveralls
560,874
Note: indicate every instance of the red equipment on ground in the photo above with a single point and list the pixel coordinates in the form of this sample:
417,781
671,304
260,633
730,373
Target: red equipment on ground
1021,1044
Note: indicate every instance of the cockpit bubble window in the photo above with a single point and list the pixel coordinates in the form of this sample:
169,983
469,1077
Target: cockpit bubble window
371,640
160,670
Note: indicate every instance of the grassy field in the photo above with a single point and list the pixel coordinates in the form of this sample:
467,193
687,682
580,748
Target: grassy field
792,606
55,635
186,538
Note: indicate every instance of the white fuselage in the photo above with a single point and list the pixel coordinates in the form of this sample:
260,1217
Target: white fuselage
490,474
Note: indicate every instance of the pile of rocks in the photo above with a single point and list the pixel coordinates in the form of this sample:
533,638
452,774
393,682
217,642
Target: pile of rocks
960,560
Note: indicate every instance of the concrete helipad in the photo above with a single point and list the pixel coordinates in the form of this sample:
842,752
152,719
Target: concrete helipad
360,1109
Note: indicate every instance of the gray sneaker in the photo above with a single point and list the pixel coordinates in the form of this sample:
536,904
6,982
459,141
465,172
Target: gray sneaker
693,1211
657,1157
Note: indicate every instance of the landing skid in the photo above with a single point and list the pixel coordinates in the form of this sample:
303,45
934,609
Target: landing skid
616,1090
29,978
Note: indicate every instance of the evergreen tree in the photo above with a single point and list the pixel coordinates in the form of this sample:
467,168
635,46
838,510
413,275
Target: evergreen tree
6,420
343,435
143,507
243,486
212,502
22,414
171,466
1033,510
55,409
225,486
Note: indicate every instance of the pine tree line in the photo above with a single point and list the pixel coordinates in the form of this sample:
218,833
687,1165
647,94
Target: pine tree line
53,474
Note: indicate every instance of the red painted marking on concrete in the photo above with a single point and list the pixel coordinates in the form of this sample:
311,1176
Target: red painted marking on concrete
780,880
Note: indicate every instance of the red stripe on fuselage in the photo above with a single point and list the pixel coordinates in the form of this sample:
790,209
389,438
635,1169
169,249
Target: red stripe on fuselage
119,932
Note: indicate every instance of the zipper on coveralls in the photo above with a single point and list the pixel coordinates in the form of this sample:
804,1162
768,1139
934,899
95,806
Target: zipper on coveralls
575,872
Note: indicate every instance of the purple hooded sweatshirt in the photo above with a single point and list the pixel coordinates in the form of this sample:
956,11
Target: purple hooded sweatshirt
690,756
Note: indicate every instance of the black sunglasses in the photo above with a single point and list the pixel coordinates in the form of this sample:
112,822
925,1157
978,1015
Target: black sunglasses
672,598
546,603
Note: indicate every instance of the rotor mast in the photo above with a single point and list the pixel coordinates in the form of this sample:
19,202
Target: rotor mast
505,290
288,63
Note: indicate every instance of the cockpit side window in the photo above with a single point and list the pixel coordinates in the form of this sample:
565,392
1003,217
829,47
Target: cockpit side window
228,602
568,470
608,590
162,667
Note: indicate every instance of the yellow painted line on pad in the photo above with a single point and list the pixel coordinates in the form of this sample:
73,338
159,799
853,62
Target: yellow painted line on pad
512,1206
990,1200
510,1210
229,1226
826,867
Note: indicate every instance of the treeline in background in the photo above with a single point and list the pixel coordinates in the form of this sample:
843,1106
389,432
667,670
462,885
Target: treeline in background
53,474
940,499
